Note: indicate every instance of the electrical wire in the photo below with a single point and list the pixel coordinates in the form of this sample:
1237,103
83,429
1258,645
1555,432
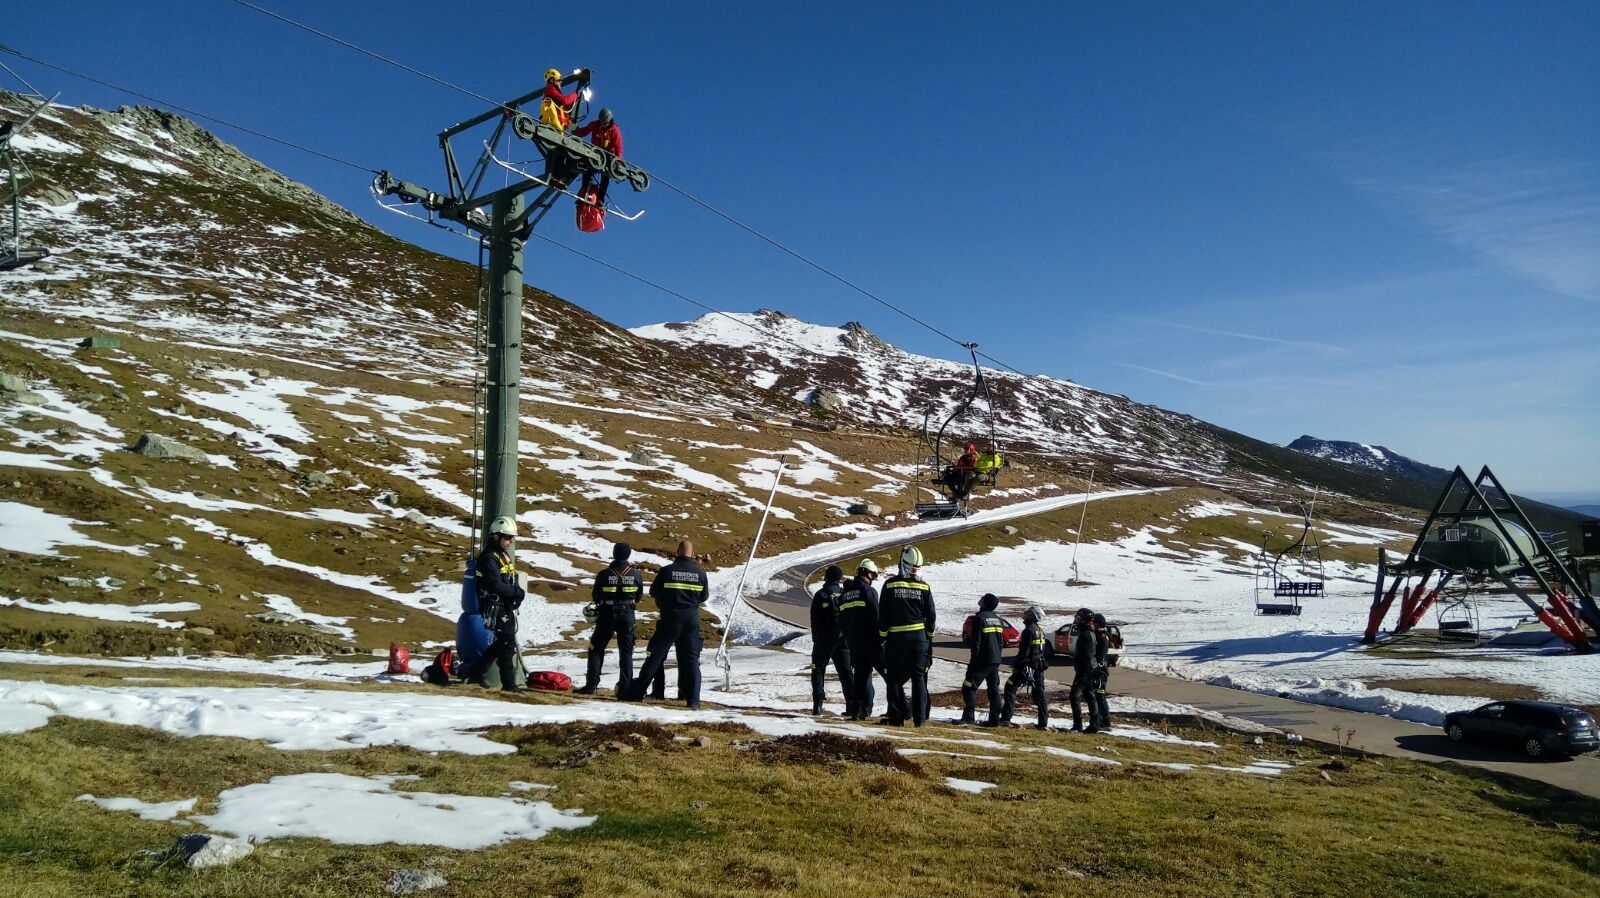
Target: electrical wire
671,186
185,110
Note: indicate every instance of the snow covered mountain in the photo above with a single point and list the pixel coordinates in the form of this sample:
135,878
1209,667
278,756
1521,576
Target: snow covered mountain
855,376
1377,458
319,376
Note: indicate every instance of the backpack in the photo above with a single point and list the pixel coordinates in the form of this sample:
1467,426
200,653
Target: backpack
550,681
399,659
591,214
443,669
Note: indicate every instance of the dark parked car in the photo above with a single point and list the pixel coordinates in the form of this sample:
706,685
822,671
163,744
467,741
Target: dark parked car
1538,728
1010,637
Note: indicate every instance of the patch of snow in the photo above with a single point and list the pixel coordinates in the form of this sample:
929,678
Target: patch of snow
976,787
353,810
165,810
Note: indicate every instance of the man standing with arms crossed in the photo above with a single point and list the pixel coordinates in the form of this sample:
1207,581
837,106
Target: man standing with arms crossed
616,591
679,590
858,622
905,624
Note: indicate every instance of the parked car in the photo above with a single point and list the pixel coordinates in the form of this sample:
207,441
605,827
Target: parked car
1067,633
1012,635
1538,728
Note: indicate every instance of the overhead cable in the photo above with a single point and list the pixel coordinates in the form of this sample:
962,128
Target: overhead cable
185,110
363,50
679,190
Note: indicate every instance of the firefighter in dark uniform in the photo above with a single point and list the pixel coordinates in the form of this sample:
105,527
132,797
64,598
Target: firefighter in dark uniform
679,590
1100,719
1029,667
828,644
1083,675
988,644
617,590
858,624
905,624
499,597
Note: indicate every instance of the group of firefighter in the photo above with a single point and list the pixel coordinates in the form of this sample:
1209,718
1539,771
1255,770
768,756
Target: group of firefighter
856,626
859,629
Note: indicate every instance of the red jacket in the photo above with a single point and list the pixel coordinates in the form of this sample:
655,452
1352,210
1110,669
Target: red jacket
552,91
606,137
967,460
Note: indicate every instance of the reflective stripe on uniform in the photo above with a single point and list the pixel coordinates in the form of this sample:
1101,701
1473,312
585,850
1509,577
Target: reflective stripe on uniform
905,584
994,629
856,604
691,587
904,628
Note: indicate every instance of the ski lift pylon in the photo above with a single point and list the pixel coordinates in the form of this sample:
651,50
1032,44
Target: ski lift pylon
17,177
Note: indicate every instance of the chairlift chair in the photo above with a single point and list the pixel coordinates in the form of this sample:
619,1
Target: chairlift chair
938,468
1292,574
1456,612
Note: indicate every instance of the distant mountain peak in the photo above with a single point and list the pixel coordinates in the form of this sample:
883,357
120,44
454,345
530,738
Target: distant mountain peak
1364,455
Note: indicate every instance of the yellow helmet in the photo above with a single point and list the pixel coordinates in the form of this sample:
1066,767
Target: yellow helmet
552,73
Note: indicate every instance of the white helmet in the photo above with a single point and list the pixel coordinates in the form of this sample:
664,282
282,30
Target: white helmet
868,565
911,556
504,524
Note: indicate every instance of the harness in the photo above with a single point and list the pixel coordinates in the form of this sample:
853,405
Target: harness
625,594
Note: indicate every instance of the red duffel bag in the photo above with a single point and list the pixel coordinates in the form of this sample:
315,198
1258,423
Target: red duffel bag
550,681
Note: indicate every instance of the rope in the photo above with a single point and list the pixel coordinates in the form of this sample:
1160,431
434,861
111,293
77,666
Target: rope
186,111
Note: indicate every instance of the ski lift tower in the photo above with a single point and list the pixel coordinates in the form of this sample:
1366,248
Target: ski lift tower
17,177
504,219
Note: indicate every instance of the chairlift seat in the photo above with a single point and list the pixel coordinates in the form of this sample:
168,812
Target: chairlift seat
1455,625
1277,609
1297,589
12,259
940,510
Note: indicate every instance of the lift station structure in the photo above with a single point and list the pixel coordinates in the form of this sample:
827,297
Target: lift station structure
503,220
1476,535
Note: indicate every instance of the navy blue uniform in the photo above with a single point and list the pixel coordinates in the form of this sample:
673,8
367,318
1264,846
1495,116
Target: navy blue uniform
988,643
617,591
828,645
1082,675
1028,669
905,624
499,597
858,625
1099,707
679,589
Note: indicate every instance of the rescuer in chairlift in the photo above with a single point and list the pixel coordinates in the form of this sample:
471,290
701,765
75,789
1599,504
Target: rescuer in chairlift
556,108
603,133
961,476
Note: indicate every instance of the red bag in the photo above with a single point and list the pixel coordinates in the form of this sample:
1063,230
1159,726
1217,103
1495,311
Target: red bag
399,659
591,213
550,681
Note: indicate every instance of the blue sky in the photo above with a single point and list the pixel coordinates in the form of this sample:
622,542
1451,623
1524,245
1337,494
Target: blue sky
1366,221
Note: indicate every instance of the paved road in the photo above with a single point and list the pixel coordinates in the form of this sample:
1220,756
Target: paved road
790,603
